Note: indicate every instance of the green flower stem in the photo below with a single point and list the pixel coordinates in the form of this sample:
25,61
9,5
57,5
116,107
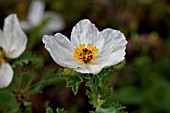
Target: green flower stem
100,103
97,103
94,95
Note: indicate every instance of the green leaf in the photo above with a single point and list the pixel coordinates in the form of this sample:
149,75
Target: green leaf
114,108
100,89
89,95
60,110
49,110
68,72
103,75
74,82
25,58
8,102
101,78
97,83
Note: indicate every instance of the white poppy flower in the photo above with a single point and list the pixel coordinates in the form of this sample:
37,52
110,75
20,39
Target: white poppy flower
12,44
37,13
89,50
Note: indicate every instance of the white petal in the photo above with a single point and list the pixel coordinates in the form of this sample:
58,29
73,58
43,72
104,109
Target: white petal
85,32
2,40
6,75
15,38
94,69
113,52
60,49
26,26
83,69
114,41
36,12
111,59
56,22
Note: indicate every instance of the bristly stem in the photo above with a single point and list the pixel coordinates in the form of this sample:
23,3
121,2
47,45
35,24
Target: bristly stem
94,96
96,101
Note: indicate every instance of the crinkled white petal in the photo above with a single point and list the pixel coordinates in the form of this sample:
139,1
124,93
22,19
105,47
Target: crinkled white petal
56,22
14,38
85,32
60,49
36,12
94,69
6,75
83,69
114,41
111,59
113,52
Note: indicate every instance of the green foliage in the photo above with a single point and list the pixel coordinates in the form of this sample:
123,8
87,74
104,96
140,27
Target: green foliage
68,72
114,108
49,110
48,78
73,78
101,78
105,91
100,90
60,110
25,58
8,101
74,82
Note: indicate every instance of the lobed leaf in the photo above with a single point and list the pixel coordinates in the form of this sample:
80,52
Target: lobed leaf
74,82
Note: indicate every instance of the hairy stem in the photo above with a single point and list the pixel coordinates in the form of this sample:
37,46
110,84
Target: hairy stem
96,101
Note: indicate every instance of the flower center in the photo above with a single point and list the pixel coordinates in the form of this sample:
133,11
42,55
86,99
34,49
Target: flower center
85,53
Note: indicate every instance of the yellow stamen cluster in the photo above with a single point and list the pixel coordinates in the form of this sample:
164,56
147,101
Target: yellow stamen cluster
85,53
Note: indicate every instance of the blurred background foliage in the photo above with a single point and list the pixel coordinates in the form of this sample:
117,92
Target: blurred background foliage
143,85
